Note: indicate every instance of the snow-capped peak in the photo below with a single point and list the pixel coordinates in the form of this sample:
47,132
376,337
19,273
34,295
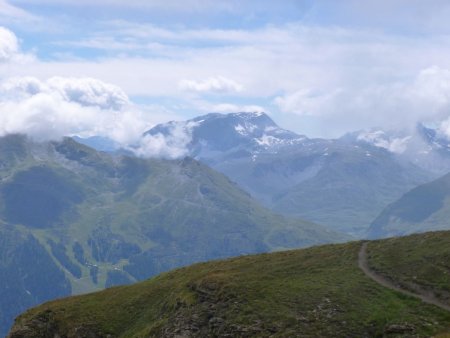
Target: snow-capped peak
252,132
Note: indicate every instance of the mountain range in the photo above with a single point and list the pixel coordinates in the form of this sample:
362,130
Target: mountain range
97,218
74,220
342,183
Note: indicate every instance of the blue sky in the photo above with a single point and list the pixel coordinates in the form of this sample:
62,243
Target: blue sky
318,67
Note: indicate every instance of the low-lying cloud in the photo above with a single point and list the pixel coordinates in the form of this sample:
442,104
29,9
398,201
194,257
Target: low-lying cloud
172,144
60,107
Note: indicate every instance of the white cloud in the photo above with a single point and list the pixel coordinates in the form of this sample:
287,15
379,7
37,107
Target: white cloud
66,106
380,139
306,102
12,13
410,16
217,84
9,45
22,87
10,53
90,92
166,5
229,108
344,79
265,61
84,91
398,105
172,145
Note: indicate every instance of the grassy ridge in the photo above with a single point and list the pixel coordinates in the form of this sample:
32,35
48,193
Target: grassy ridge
316,292
415,262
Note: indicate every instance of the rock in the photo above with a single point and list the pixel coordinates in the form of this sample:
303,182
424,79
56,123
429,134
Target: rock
216,321
399,328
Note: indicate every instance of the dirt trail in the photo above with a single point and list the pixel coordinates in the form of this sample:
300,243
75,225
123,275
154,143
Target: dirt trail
422,295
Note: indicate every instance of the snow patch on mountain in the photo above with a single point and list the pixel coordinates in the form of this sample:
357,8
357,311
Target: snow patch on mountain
245,129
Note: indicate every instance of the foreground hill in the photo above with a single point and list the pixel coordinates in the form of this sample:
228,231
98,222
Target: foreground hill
343,183
418,263
316,292
424,208
75,220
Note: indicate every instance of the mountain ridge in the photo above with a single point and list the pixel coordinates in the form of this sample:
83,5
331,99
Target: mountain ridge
100,220
423,208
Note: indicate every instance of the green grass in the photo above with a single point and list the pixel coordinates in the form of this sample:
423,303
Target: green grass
316,292
415,261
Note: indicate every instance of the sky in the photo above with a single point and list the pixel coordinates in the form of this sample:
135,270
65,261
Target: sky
318,67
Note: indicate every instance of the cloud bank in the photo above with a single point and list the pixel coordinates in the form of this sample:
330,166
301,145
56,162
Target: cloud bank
60,107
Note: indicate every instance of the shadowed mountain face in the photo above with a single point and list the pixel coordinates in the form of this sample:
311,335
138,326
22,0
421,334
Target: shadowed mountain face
314,292
28,275
342,183
76,220
38,197
424,208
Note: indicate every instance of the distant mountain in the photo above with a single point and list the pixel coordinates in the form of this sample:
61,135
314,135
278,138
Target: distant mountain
425,147
217,137
424,208
99,143
341,183
73,220
315,292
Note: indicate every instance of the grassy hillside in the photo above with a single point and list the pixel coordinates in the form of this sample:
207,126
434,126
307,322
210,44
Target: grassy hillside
102,220
416,262
316,292
424,208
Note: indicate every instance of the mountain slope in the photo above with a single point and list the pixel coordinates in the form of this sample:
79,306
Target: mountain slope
101,220
316,292
26,270
351,187
341,183
419,263
424,208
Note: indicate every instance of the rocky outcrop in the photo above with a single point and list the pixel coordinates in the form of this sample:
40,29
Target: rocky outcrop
44,325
